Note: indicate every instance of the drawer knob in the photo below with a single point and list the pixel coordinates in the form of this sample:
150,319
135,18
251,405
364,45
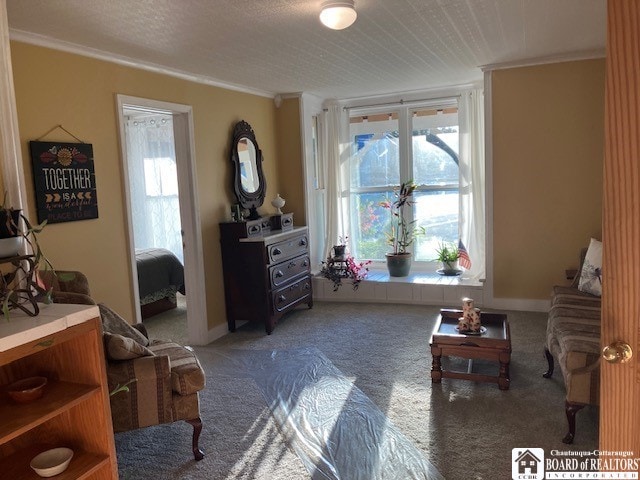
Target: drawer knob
277,251
303,242
282,298
279,274
305,264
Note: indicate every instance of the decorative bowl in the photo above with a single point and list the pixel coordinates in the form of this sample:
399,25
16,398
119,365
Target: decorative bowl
52,462
28,389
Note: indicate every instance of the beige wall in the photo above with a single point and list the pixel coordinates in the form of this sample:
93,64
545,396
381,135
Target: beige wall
548,135
54,88
290,169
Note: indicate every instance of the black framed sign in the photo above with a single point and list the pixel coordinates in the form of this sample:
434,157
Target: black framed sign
64,181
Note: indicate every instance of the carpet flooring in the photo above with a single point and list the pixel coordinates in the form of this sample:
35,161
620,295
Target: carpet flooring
170,324
466,430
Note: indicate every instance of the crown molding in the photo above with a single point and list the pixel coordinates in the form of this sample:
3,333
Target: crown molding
48,42
530,62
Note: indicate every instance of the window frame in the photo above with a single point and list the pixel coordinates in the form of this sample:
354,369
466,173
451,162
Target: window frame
405,130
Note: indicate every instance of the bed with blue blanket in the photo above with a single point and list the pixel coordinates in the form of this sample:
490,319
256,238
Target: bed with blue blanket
160,276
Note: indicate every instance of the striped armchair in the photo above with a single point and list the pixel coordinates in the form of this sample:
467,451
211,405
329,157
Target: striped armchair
162,383
573,338
162,378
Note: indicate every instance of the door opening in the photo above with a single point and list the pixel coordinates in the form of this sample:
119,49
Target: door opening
164,231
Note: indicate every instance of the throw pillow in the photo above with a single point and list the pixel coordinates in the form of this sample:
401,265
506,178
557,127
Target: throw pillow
591,274
114,323
118,347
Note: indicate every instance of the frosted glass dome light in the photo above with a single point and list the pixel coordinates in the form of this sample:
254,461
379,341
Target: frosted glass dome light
338,15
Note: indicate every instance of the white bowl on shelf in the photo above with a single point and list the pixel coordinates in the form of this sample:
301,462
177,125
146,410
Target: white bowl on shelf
52,462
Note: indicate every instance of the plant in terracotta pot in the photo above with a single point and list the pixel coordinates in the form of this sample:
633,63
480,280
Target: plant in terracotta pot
402,233
447,254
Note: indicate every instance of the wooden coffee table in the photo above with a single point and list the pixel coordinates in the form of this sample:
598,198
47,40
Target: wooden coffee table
493,344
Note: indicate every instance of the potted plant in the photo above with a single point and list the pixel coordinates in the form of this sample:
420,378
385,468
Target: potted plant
10,240
447,254
16,289
340,249
344,268
401,233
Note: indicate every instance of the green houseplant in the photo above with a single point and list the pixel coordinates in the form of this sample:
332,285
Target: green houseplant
344,267
19,285
447,254
401,233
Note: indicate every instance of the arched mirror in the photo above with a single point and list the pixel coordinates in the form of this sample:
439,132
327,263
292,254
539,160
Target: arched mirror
248,184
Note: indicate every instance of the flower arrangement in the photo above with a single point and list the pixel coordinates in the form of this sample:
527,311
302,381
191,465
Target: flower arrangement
344,266
402,233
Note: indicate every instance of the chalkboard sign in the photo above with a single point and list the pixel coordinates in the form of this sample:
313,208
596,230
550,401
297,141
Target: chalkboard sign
64,181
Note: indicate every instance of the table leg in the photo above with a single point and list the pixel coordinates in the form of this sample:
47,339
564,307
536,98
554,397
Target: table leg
436,366
503,377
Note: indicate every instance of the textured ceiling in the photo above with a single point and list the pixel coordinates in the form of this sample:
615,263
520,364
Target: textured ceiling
279,46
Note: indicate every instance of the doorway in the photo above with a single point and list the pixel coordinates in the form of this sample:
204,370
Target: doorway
156,139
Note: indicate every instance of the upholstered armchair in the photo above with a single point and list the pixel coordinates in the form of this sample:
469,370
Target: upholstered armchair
162,378
66,286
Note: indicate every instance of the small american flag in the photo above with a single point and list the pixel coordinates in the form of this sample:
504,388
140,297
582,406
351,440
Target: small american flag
463,256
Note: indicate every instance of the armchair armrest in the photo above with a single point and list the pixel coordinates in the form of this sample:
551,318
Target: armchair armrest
148,399
70,297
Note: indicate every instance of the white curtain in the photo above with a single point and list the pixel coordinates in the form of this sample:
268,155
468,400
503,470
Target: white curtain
472,180
335,155
153,180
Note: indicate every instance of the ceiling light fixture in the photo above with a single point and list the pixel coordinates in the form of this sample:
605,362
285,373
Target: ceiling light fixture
338,15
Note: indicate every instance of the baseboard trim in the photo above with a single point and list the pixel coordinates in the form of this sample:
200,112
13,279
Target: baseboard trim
220,331
519,304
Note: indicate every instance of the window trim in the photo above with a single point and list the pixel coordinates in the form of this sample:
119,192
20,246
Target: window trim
405,151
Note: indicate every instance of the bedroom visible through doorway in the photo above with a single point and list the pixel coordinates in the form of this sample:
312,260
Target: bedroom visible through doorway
155,215
169,177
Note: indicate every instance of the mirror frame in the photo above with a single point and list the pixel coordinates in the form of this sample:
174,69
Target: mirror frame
248,200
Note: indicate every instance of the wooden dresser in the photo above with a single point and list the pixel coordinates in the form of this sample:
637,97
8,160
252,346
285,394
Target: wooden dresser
266,272
64,344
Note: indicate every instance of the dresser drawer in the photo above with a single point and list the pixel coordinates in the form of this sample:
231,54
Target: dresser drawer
290,248
285,271
287,296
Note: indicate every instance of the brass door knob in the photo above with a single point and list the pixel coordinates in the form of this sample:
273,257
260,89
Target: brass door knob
617,352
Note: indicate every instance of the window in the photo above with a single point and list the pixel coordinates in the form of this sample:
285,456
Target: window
391,147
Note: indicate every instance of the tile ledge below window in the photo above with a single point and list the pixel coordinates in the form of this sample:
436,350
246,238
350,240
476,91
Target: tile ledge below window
428,288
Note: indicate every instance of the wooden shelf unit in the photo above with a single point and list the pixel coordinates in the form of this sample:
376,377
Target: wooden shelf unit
74,411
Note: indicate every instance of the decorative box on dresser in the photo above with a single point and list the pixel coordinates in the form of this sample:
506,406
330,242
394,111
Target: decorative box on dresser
64,344
266,272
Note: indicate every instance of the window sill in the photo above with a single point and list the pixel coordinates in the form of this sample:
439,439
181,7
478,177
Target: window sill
427,288
421,278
